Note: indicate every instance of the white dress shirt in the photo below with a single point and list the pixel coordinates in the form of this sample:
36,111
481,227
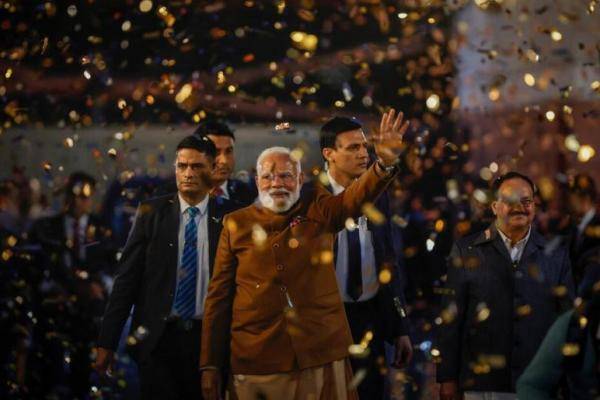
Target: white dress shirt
223,187
370,279
516,250
203,275
70,233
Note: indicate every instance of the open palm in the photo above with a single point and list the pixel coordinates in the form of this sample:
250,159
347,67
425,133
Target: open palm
388,140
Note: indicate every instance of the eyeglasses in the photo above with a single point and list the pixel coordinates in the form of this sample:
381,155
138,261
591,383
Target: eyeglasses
525,202
285,177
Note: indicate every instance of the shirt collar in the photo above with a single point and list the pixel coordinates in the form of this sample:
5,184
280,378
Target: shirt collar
224,189
183,205
336,188
586,219
508,242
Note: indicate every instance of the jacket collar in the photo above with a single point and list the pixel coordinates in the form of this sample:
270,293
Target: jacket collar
491,234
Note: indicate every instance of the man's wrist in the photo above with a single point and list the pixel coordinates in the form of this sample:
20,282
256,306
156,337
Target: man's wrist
388,170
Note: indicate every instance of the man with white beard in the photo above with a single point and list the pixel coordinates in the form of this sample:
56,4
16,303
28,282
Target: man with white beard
273,312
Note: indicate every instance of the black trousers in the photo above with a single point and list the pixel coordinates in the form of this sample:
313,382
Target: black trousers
362,317
171,371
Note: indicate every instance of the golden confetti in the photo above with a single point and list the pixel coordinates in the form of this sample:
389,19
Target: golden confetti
449,313
350,224
166,16
385,276
481,369
358,351
293,243
326,256
282,126
304,41
11,241
145,6
81,274
373,214
184,93
532,56
494,94
529,79
439,225
483,312
398,220
523,310
570,349
433,102
141,332
7,254
556,35
259,235
585,153
571,143
550,115
297,154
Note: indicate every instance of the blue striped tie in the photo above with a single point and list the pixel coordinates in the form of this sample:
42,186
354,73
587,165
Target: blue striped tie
185,298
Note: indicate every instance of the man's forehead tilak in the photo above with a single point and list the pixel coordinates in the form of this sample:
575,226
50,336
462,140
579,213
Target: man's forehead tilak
272,165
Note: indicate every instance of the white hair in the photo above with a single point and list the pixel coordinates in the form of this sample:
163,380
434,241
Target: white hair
277,150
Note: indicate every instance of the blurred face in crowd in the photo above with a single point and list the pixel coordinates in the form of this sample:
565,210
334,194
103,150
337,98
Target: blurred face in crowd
515,206
193,171
349,159
224,162
579,205
80,200
278,182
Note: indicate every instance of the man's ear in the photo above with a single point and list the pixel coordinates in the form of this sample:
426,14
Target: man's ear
301,179
494,206
326,152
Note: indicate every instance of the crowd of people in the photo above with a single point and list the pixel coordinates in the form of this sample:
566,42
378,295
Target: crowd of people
302,285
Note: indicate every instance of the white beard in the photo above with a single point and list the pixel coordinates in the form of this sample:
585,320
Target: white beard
268,202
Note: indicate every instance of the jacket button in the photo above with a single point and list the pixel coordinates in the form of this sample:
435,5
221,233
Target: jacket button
283,288
279,267
275,245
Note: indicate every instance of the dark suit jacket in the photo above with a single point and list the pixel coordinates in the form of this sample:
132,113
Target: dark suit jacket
146,277
49,233
496,315
587,254
389,299
241,192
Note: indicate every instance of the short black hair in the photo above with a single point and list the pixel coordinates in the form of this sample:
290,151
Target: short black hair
512,175
334,127
583,185
214,127
200,143
80,183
